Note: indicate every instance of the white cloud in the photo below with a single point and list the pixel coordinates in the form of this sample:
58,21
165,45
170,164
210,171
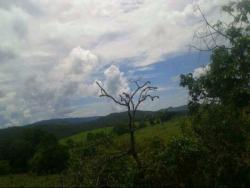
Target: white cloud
115,82
52,51
51,94
201,71
77,66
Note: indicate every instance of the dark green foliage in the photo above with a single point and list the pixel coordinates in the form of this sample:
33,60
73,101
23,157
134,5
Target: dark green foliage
34,136
142,124
223,135
181,161
151,119
219,104
174,165
19,153
166,116
120,129
155,175
117,173
227,80
91,163
35,150
4,167
50,157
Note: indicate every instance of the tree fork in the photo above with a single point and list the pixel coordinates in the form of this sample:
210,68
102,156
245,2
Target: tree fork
132,102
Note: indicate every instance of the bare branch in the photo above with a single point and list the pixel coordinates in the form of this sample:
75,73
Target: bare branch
144,95
209,36
211,26
139,87
105,94
132,103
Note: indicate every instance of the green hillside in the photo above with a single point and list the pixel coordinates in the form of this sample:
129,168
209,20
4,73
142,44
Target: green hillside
62,128
165,132
81,137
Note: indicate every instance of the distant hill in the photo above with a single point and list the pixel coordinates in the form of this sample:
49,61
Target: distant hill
70,126
66,121
183,108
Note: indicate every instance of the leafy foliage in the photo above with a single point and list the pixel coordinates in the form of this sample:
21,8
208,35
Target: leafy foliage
4,167
50,157
36,151
220,101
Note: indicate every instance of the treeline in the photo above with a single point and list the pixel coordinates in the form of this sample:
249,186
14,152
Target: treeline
62,128
34,151
156,118
39,152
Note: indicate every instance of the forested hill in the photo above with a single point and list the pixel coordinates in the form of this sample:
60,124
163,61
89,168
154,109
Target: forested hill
69,126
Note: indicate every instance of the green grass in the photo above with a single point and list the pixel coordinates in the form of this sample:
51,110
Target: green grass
81,137
28,180
165,131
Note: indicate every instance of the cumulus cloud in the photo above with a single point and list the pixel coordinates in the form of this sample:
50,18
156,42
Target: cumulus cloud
51,94
77,66
201,71
51,52
115,82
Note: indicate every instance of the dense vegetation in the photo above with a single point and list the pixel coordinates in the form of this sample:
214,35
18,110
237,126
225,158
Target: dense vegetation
209,147
35,151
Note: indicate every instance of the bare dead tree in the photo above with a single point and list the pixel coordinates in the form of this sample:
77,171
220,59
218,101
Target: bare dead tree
213,36
132,100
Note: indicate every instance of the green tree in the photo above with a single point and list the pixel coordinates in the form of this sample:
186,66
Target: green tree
50,157
4,167
120,129
19,153
220,99
227,79
142,124
34,136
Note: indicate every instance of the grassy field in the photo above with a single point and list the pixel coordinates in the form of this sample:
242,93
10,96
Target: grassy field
165,131
81,137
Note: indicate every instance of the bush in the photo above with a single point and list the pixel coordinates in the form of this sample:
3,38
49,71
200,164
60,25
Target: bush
4,167
224,135
50,157
142,124
120,129
19,153
173,165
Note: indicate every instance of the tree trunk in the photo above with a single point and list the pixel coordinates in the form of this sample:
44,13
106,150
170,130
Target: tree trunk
133,150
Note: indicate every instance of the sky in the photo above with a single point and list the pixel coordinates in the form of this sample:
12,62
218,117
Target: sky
53,51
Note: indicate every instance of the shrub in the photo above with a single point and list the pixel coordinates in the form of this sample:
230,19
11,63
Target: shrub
120,129
4,167
50,157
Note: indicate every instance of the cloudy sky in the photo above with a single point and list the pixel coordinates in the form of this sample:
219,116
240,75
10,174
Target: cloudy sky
52,51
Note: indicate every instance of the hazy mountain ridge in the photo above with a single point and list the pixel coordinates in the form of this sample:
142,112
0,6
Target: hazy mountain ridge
69,126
